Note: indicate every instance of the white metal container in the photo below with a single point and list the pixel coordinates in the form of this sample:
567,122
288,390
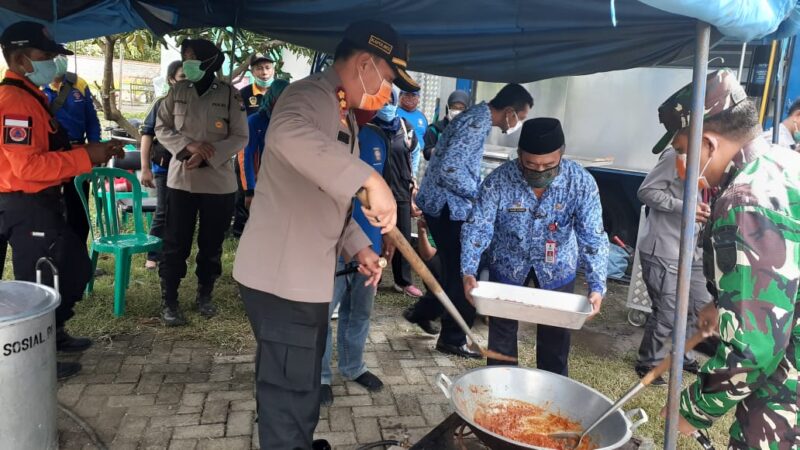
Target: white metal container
28,366
558,309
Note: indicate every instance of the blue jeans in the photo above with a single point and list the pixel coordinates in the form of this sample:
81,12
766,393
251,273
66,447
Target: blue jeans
354,313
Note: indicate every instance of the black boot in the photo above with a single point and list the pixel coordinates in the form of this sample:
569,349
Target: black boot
69,344
170,313
205,304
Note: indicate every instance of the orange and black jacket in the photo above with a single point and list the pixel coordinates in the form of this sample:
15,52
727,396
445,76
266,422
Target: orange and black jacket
26,162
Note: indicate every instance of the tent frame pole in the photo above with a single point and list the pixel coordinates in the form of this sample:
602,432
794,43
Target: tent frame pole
688,242
787,47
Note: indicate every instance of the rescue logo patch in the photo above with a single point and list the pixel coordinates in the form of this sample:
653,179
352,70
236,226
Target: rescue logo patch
77,96
17,130
253,101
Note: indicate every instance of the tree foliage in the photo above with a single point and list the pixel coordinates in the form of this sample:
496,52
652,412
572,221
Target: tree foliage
142,45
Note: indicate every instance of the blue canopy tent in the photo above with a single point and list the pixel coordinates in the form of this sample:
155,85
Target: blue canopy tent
498,40
491,40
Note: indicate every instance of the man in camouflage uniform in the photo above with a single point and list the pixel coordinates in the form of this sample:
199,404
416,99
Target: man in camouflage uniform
751,258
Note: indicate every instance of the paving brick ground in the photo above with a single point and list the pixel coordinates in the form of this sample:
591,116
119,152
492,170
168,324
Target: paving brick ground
147,392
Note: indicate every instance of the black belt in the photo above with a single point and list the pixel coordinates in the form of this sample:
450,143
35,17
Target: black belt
53,193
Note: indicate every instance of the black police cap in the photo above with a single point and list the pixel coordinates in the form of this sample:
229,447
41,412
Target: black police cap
382,40
27,34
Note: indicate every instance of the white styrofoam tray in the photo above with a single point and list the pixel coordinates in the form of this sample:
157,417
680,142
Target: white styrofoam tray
558,309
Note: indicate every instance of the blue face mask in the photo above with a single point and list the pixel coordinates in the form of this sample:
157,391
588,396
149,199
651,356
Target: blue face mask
43,72
264,83
387,113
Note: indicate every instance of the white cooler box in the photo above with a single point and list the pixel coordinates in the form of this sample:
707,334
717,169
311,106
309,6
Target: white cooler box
525,304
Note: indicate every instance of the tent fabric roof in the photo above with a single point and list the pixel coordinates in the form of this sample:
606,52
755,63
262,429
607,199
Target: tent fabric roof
501,40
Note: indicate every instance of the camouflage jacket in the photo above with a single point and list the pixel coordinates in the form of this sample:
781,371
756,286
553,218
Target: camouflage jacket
752,264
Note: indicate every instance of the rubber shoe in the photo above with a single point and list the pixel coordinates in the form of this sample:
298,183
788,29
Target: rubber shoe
205,306
173,317
320,444
691,367
427,326
410,290
68,344
325,395
370,381
641,371
462,351
65,370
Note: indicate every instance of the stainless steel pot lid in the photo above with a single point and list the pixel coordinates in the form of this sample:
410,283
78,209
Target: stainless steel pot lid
21,300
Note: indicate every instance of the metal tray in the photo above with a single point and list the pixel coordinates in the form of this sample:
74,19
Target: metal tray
525,304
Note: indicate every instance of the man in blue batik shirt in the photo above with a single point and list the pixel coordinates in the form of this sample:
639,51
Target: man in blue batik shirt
448,192
409,102
537,218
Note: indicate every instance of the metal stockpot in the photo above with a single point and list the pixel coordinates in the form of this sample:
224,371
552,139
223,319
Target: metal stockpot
560,394
28,415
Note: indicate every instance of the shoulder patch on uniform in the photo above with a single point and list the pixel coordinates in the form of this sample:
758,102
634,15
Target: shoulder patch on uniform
16,130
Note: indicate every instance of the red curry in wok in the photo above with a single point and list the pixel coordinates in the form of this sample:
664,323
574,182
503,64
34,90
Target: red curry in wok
527,423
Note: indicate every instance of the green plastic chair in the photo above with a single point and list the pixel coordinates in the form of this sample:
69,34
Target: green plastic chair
107,236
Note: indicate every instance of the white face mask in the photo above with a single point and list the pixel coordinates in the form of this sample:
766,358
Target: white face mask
452,113
516,127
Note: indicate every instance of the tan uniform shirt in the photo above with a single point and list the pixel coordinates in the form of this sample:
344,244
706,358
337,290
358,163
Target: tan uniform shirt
300,216
215,117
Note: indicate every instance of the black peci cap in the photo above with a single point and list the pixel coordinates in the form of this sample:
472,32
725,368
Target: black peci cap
31,35
541,136
382,40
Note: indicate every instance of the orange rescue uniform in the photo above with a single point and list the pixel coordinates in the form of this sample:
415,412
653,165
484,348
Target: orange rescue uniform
26,162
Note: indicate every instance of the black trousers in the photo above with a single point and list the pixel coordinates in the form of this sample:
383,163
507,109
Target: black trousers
183,209
447,234
400,267
552,343
240,211
160,216
75,212
428,307
35,227
291,341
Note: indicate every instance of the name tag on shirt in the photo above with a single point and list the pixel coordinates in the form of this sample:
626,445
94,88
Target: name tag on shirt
343,137
518,208
550,252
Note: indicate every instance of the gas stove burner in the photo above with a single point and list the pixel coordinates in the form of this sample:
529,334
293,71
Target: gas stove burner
452,434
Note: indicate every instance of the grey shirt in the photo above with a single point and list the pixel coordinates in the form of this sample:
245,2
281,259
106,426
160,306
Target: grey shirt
216,117
300,217
662,192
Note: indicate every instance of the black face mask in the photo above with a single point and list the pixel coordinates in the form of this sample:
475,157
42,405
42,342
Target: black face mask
540,179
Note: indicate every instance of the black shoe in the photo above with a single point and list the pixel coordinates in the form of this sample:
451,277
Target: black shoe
65,370
427,325
325,395
172,316
370,381
462,351
708,347
642,371
320,444
68,344
691,367
205,305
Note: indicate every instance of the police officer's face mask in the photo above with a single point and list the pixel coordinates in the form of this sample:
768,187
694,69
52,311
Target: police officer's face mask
192,70
374,102
43,72
61,65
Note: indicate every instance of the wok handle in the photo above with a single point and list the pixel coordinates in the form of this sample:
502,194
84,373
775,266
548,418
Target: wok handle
632,414
444,383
